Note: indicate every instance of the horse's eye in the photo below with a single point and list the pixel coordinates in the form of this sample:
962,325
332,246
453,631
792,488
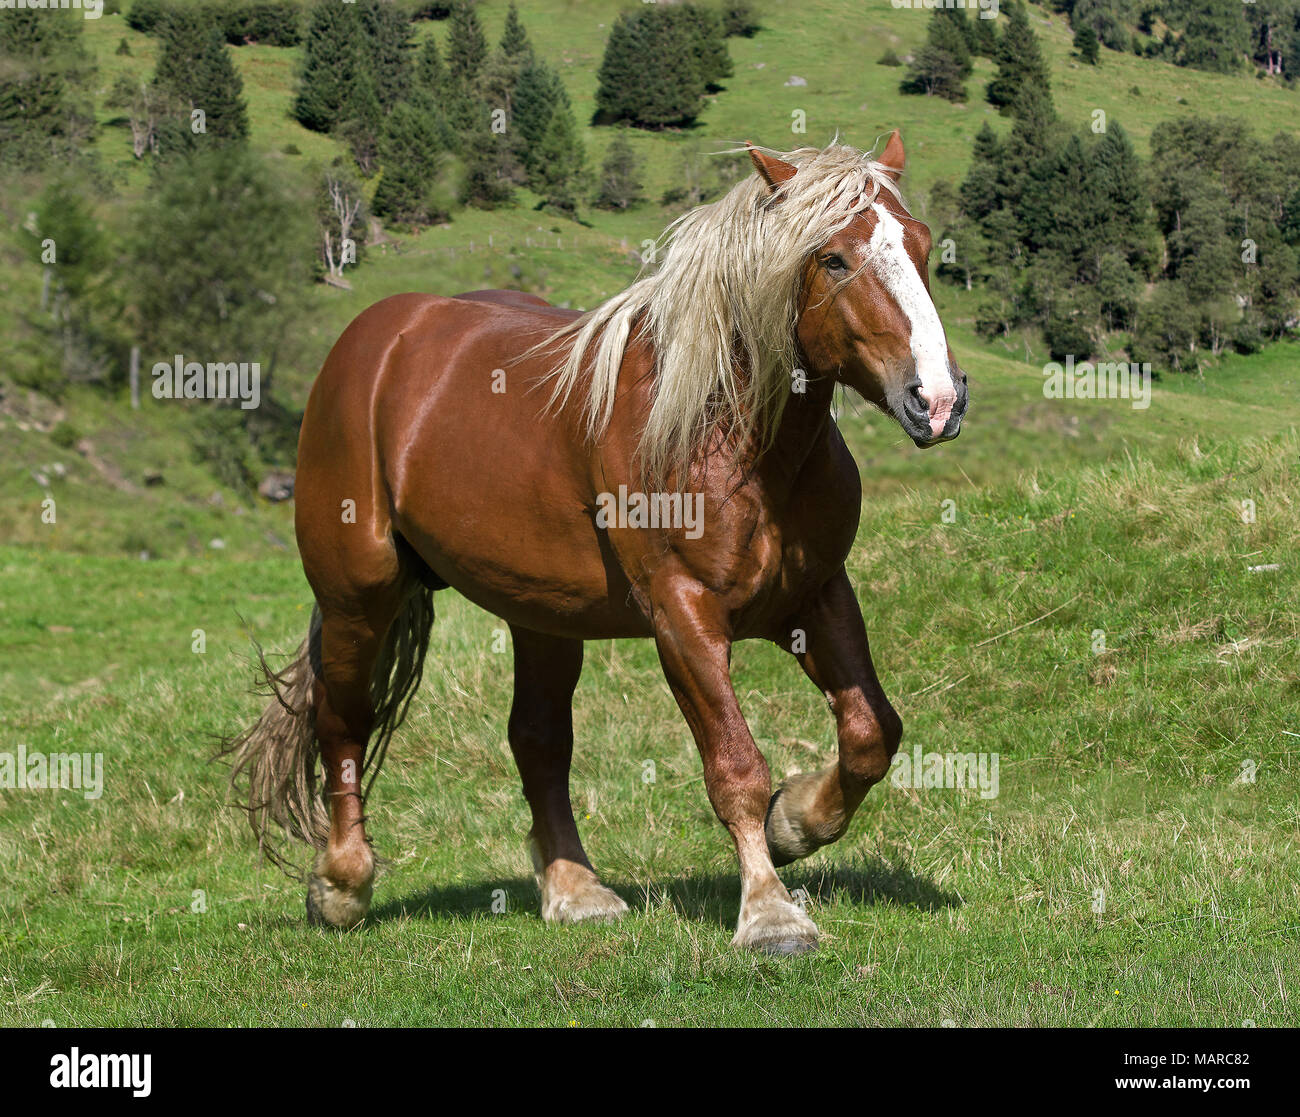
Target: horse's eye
835,263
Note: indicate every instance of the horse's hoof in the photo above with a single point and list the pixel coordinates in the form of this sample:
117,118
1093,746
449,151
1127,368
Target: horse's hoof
328,905
792,828
572,893
590,903
776,927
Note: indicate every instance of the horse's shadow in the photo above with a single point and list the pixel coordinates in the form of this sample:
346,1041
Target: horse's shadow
712,898
466,899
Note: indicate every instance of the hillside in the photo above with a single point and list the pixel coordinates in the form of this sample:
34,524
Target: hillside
831,44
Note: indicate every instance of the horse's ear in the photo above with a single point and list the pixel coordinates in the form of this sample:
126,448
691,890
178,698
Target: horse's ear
772,171
892,159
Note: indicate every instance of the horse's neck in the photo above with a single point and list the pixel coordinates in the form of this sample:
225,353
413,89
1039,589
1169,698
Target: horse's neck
799,435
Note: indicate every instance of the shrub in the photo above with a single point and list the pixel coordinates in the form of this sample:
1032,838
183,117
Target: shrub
276,23
145,15
739,20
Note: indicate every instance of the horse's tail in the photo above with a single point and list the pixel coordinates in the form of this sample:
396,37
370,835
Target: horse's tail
276,761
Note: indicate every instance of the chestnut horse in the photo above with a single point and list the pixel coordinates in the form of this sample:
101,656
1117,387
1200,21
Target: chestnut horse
492,444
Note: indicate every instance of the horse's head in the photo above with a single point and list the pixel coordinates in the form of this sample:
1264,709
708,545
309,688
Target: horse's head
865,311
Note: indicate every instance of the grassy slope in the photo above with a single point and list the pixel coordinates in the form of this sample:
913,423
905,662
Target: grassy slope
1118,771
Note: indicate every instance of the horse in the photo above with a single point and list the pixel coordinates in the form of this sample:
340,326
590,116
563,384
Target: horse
476,443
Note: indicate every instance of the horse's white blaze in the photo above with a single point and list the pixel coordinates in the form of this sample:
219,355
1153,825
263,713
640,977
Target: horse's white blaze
929,344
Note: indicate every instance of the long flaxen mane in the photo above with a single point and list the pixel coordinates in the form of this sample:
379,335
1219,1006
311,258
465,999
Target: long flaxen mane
720,309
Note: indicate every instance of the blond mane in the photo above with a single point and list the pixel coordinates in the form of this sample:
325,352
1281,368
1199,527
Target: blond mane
721,300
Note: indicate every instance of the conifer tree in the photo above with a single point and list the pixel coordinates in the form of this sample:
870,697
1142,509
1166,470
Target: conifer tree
430,73
331,51
559,164
1020,61
489,170
1085,42
984,38
982,192
545,137
386,49
41,57
619,185
703,26
649,74
362,128
195,71
1035,135
965,26
538,94
466,45
496,91
410,153
514,40
1123,195
941,66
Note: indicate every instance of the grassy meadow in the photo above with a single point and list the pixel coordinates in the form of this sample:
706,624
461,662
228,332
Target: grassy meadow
1124,771
1069,586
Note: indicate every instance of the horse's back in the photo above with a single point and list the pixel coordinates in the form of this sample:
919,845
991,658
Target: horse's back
403,351
434,411
504,297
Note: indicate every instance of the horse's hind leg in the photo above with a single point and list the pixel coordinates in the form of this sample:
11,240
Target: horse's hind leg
352,635
375,618
541,738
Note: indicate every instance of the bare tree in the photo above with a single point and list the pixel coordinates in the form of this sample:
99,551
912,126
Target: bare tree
144,107
340,216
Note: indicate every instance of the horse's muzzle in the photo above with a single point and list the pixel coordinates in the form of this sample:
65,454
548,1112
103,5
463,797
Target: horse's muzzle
913,414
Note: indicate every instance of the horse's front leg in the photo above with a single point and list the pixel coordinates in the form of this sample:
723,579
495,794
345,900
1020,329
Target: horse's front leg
694,644
830,642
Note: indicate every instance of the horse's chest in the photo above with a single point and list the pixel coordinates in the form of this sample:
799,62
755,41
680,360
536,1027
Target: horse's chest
779,564
799,564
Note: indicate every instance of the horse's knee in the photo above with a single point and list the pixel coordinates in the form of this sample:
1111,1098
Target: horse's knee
739,785
868,742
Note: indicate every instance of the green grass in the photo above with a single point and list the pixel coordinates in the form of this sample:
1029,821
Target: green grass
1119,771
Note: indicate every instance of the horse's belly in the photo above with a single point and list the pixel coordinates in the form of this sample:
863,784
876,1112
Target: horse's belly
555,583
509,527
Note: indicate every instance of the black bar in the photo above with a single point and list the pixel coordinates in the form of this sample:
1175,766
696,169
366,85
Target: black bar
293,1066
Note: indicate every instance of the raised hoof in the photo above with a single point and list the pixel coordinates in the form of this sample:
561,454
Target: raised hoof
790,828
776,927
328,905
